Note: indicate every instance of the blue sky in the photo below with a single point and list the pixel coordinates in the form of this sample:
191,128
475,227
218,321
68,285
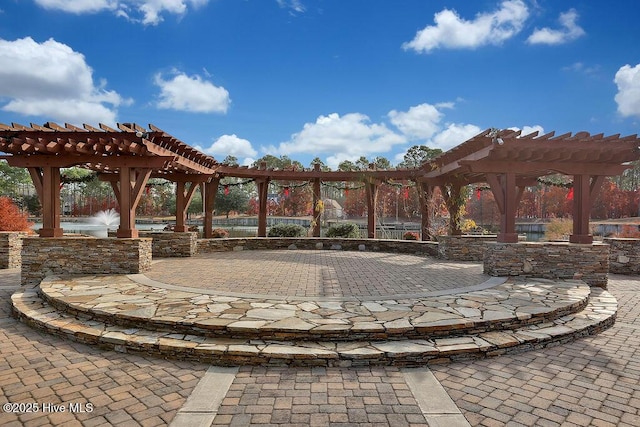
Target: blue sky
336,79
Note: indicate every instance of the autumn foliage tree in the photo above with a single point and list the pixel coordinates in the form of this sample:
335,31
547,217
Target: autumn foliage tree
11,219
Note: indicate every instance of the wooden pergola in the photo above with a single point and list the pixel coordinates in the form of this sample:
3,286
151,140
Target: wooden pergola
509,162
371,178
126,158
129,156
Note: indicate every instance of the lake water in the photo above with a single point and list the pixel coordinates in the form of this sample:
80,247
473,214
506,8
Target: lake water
96,230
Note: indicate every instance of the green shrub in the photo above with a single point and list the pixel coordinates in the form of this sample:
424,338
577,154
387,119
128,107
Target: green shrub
287,230
347,230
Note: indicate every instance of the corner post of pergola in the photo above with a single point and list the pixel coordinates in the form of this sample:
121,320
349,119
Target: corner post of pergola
504,190
371,190
425,193
585,191
132,181
46,180
210,191
263,195
184,196
317,197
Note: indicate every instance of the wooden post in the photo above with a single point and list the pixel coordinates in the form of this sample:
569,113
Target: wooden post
184,196
585,190
317,212
210,191
127,214
128,191
505,194
371,187
263,193
47,180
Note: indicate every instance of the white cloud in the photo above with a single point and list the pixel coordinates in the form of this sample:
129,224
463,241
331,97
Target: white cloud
346,137
580,67
150,11
628,97
526,130
231,145
454,134
569,32
294,6
52,80
451,31
420,122
191,93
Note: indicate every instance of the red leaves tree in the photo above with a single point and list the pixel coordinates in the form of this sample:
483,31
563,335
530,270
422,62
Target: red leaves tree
11,219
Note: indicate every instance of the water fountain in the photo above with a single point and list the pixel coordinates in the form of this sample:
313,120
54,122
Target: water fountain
106,219
98,225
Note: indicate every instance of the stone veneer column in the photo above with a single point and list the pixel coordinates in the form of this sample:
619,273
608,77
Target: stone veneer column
168,244
10,248
83,255
624,255
550,260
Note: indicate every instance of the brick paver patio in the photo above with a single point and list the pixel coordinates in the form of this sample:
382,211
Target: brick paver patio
592,381
312,273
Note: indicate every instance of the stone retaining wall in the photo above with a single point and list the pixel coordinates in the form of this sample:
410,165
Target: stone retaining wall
550,260
464,248
256,243
10,248
168,244
624,255
83,255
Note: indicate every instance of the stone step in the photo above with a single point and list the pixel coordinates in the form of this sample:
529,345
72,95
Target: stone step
503,304
597,315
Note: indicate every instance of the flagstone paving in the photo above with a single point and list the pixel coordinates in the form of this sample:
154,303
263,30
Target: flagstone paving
118,312
138,302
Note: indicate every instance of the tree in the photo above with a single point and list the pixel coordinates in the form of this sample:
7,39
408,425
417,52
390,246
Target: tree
231,198
382,163
347,165
282,162
11,219
10,178
230,161
323,167
417,155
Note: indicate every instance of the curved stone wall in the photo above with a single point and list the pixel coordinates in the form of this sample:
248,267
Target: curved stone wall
549,260
257,243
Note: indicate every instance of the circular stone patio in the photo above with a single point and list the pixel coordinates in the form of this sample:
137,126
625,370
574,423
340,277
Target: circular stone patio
314,307
317,273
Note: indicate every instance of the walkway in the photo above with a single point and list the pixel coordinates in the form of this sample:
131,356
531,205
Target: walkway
592,381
